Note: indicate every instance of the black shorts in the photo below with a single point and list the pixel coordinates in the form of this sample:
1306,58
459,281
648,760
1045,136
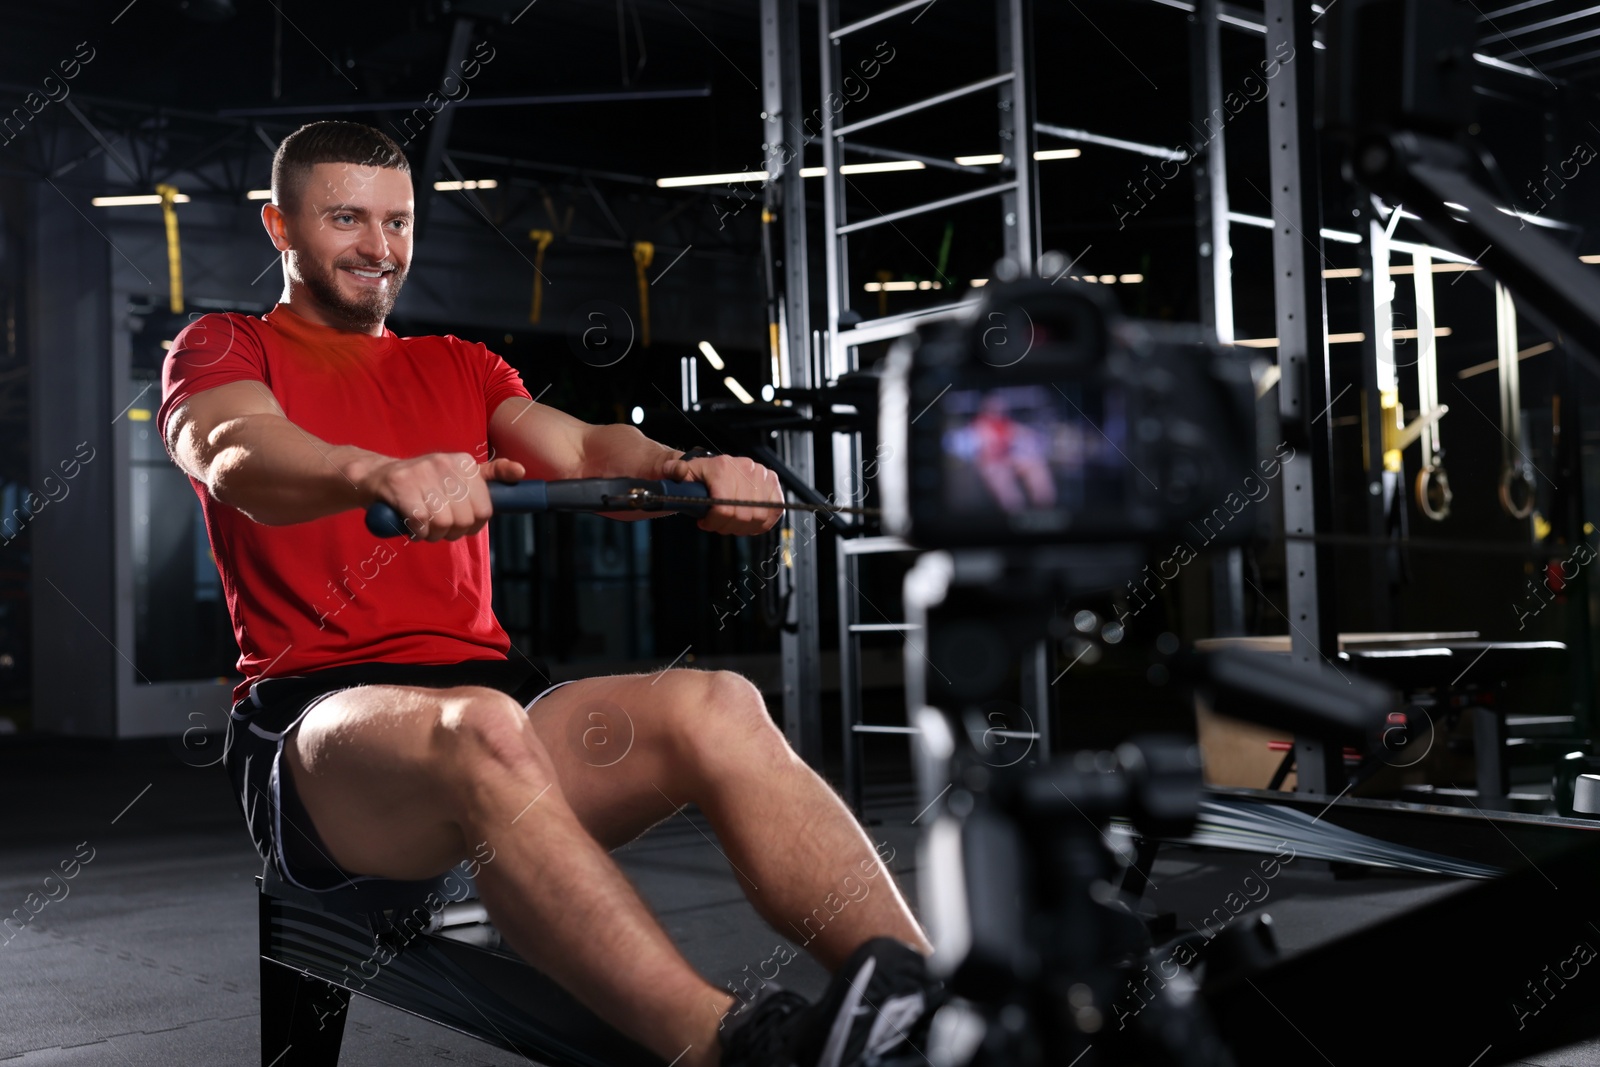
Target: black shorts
262,783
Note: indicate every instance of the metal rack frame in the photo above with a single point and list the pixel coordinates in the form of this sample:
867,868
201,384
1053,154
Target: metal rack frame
1018,194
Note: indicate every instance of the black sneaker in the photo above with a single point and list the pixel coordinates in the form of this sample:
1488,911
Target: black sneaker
766,1031
874,1006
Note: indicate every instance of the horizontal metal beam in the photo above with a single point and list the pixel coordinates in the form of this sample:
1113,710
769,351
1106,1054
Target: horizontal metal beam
1502,33
923,209
1067,133
895,153
923,105
599,96
873,20
1572,39
1572,61
891,326
1512,10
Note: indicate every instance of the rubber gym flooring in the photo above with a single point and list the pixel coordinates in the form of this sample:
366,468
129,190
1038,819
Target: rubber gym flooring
150,957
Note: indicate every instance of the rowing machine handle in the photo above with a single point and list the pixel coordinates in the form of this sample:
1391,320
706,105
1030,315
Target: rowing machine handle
573,494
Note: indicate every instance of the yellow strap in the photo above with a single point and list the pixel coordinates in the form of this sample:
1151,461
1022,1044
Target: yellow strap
643,253
542,239
174,257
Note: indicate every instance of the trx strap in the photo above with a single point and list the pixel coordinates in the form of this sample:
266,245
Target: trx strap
1433,483
541,239
643,253
174,257
1513,467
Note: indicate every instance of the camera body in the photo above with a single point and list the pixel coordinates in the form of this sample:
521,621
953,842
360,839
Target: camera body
1046,418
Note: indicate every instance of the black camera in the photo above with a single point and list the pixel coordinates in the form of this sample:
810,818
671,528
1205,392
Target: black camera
1045,417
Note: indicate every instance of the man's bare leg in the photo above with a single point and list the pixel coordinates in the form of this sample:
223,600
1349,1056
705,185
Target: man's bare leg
404,782
631,749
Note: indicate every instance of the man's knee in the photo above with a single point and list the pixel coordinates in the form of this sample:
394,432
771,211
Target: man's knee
717,709
485,731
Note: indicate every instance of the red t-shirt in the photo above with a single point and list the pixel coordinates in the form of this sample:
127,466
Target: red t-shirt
326,593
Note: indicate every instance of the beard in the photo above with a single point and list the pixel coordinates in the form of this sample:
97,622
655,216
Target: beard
362,312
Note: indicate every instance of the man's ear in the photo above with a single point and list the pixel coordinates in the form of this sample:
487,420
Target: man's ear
272,219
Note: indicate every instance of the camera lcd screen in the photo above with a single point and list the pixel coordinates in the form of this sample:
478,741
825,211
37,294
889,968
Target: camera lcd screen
1038,456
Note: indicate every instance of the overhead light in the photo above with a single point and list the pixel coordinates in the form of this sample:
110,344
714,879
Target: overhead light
1589,259
979,283
456,187
995,158
139,200
900,287
1342,272
1108,279
258,194
637,415
711,355
738,390
711,179
1131,279
767,392
881,168
166,346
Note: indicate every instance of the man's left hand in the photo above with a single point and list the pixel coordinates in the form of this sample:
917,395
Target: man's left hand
732,478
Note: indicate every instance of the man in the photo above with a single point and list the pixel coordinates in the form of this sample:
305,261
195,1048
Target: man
374,735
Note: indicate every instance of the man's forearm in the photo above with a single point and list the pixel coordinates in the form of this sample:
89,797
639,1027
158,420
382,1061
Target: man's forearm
277,474
619,451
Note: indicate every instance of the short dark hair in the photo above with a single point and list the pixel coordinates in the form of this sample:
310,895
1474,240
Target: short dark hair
329,142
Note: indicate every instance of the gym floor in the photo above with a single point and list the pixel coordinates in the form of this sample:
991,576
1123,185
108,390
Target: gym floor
150,957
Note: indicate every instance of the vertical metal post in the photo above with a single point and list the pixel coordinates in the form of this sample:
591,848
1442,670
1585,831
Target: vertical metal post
847,573
439,135
1302,360
1210,170
1035,670
837,248
791,327
1020,207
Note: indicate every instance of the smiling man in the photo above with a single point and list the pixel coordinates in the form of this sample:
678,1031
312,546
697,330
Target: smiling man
374,734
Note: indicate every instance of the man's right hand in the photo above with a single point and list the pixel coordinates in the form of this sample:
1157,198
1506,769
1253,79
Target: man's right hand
441,496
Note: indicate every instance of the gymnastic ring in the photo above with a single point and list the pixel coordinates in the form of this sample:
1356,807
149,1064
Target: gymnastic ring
1429,479
1509,474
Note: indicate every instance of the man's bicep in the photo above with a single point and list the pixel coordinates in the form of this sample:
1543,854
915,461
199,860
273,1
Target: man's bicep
191,426
549,443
